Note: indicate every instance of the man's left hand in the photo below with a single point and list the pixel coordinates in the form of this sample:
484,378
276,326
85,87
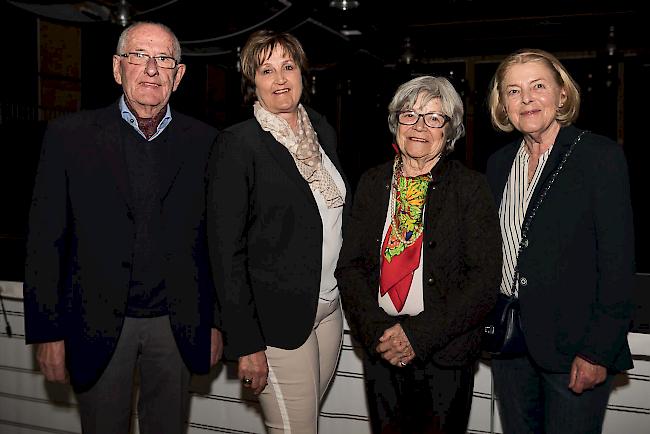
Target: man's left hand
585,375
216,347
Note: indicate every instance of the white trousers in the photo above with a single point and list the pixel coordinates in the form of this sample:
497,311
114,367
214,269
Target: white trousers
299,378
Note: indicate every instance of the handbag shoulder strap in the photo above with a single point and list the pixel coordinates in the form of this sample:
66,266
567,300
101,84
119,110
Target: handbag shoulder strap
542,195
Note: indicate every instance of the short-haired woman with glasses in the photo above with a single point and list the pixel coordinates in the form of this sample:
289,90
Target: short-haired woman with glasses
419,268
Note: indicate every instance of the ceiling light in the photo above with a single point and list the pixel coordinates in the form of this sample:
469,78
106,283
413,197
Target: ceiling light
351,32
344,5
408,55
122,14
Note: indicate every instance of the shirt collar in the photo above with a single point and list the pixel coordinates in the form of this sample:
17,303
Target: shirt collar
130,119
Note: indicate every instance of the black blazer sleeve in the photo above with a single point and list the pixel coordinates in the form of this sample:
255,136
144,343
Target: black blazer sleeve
45,304
612,214
358,268
230,182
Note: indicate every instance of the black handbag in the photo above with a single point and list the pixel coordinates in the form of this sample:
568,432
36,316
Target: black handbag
502,334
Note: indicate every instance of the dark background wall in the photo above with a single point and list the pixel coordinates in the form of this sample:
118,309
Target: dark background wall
53,66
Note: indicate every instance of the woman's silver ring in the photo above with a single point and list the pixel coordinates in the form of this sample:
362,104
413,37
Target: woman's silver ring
402,364
247,381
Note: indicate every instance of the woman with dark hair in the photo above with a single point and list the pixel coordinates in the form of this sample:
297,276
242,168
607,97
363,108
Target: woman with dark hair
276,198
419,268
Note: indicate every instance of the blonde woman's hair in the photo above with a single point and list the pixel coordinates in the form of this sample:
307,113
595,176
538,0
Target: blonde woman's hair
566,114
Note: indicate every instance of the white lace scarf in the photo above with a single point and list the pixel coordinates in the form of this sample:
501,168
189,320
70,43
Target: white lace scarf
305,150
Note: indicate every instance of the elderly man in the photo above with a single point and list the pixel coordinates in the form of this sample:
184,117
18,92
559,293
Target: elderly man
117,276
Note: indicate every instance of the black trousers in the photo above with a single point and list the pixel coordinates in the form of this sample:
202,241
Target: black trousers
421,398
532,400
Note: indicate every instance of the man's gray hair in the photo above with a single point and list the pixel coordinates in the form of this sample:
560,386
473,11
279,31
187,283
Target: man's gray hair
124,36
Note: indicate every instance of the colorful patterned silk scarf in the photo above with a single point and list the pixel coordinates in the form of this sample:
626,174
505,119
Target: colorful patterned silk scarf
403,243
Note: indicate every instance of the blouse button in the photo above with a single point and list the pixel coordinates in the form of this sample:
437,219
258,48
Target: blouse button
523,281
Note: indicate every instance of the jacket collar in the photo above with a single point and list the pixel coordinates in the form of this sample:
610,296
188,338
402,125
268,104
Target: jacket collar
285,160
107,123
438,174
563,141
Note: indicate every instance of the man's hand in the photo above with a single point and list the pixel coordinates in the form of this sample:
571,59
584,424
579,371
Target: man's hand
253,367
585,375
216,347
51,360
394,346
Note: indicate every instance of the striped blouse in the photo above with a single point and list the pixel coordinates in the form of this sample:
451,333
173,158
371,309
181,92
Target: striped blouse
512,210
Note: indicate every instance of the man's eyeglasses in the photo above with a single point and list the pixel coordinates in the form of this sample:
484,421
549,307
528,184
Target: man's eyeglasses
433,119
137,58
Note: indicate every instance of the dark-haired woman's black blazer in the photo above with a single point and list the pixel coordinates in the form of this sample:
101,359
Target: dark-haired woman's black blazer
265,236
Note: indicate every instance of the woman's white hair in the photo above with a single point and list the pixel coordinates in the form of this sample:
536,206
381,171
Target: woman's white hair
430,88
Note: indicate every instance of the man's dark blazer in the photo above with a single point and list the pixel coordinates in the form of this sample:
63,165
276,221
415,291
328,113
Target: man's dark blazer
265,237
461,260
578,265
81,239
